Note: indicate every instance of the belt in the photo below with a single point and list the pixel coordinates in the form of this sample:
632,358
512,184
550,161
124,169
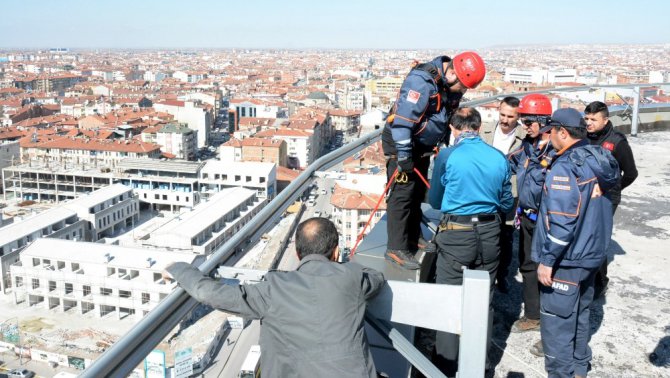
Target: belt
475,218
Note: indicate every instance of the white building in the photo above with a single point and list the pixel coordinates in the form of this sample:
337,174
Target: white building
351,211
210,224
539,76
93,278
301,145
197,118
178,140
255,108
259,177
90,217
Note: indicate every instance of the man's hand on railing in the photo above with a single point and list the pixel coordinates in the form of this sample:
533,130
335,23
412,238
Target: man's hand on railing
165,274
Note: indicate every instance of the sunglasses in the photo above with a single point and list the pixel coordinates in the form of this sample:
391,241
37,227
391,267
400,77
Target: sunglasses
542,120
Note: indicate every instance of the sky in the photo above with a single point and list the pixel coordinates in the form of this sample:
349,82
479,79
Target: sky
334,24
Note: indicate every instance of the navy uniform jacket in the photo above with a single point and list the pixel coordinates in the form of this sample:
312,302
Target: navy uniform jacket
574,225
311,318
422,110
529,164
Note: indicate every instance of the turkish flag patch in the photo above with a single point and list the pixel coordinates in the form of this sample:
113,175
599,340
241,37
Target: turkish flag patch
608,146
413,96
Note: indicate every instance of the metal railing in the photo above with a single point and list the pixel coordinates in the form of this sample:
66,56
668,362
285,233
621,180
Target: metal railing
127,353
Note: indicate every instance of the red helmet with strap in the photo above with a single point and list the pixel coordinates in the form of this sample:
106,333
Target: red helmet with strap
469,68
535,104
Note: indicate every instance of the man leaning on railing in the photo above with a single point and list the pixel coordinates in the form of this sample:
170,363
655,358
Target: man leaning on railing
312,318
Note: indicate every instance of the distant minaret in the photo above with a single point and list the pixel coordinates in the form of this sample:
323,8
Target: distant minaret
306,78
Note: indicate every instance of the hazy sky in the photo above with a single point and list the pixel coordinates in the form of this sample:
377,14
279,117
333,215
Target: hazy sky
411,24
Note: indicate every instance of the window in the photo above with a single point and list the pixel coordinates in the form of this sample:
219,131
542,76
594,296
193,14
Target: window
224,177
87,290
164,197
248,178
177,198
36,261
145,195
19,281
68,288
187,199
111,271
105,291
75,267
145,298
237,178
52,285
124,294
36,283
261,180
205,175
217,176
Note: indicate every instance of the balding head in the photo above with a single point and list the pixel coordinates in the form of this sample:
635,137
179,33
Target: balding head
316,236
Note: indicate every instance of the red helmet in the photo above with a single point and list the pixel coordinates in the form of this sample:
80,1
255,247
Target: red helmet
535,104
469,68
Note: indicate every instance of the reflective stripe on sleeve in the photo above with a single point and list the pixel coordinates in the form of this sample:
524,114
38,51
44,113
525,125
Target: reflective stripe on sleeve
557,241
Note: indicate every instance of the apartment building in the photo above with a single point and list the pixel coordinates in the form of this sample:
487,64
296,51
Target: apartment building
217,175
90,217
299,145
209,224
264,150
83,150
198,118
163,185
351,211
91,278
178,140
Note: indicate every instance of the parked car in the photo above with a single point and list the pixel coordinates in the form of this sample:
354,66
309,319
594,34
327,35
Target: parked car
21,373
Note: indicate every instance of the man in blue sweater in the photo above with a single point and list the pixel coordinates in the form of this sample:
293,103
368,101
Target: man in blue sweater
574,227
471,186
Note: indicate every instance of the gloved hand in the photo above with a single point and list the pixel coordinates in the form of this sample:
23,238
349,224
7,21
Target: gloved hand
405,165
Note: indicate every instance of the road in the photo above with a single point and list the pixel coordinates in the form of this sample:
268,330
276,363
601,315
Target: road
227,364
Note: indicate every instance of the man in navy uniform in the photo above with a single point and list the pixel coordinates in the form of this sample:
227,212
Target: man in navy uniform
418,123
529,163
574,227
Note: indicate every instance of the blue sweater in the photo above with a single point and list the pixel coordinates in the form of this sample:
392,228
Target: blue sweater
470,178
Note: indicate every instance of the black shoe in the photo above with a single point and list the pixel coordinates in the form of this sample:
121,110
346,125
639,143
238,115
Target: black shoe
402,258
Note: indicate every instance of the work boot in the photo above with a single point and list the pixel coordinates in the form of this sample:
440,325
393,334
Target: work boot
426,246
402,258
524,324
537,349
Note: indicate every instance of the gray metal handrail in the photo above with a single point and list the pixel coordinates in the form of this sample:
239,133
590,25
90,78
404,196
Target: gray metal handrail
127,353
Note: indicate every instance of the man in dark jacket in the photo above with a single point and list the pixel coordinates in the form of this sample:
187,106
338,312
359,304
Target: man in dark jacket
529,163
430,93
311,318
602,133
573,231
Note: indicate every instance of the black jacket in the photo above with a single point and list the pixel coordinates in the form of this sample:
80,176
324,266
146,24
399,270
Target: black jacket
616,143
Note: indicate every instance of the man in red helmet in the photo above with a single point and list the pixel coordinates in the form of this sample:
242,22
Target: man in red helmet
529,162
418,123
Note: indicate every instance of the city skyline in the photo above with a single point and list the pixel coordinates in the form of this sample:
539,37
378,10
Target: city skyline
344,25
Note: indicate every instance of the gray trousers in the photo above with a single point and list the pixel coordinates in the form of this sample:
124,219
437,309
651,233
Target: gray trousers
477,248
